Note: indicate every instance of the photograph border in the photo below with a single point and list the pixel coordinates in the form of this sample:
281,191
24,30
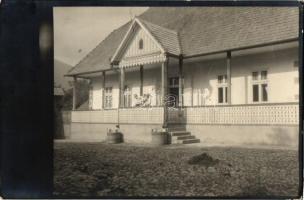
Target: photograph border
26,154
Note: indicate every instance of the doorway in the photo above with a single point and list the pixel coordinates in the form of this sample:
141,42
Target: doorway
172,100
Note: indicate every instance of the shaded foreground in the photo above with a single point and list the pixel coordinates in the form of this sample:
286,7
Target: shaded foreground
99,169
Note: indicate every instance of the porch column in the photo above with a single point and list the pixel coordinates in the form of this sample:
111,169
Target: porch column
180,83
164,90
103,85
228,65
122,86
191,88
74,92
141,71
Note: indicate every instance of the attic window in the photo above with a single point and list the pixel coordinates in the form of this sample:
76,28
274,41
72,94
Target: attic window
141,44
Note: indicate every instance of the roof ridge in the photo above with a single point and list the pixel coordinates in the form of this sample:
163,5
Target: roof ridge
179,44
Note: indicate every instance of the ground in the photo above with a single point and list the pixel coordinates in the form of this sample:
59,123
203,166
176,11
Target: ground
100,169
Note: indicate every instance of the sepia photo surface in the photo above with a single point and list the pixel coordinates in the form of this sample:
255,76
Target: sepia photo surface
176,101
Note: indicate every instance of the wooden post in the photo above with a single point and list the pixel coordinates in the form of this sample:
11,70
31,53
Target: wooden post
103,83
122,87
141,71
74,92
228,65
191,88
180,83
164,91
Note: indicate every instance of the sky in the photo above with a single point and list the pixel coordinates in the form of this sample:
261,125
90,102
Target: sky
77,30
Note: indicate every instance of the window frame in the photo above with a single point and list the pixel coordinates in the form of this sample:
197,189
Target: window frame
260,82
141,44
108,97
127,95
222,83
174,82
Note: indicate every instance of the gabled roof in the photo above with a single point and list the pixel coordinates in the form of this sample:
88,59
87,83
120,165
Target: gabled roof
99,58
166,39
134,24
200,30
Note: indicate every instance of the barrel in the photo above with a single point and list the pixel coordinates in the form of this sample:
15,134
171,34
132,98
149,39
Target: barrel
159,138
114,137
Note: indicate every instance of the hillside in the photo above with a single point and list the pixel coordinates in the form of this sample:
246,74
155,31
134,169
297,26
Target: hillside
61,68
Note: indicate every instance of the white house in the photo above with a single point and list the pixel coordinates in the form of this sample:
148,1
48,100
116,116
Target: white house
214,75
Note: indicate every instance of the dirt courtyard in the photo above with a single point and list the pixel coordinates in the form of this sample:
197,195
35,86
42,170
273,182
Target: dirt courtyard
100,169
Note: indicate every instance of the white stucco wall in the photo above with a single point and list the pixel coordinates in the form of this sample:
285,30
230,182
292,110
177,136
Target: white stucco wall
282,77
111,81
282,83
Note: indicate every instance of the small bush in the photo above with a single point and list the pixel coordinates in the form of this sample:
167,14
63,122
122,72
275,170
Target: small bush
203,159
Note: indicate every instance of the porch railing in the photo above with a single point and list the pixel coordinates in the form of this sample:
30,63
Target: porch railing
262,114
268,114
97,116
153,115
145,115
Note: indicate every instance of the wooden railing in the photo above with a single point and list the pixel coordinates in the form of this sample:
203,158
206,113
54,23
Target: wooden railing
153,115
268,114
145,115
96,116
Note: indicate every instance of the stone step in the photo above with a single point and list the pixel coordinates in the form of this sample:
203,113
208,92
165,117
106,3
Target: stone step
178,139
179,128
185,137
179,133
189,141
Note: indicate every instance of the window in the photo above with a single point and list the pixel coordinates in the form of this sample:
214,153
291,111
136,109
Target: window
108,97
263,75
296,63
222,89
255,76
141,44
255,95
264,92
259,86
174,82
127,97
222,79
220,95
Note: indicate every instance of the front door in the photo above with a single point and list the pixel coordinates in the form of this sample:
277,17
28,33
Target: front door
172,100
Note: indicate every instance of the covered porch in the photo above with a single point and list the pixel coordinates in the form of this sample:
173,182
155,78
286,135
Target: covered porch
150,89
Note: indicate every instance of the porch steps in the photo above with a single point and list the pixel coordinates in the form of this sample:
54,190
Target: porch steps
176,128
182,137
179,133
185,137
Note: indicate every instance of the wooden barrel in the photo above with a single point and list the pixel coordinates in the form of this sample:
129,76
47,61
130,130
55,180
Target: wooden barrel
114,137
159,138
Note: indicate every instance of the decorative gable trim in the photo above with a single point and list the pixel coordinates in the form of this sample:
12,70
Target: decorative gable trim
150,34
127,36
